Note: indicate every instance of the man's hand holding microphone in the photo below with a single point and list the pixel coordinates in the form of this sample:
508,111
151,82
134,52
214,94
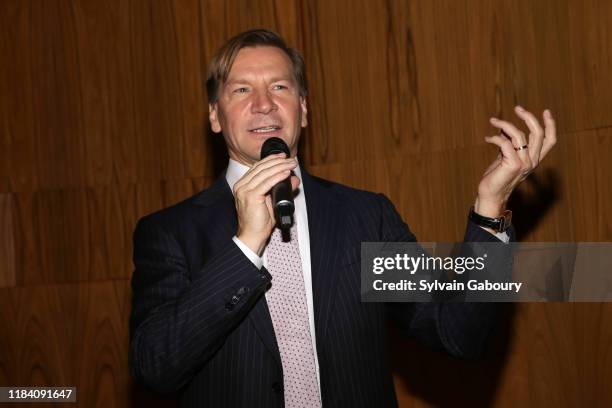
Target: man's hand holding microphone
256,217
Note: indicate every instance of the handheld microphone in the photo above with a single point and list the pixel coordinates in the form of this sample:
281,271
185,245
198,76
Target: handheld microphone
282,194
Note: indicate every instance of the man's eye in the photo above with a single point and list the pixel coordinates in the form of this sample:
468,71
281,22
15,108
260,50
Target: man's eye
278,87
241,90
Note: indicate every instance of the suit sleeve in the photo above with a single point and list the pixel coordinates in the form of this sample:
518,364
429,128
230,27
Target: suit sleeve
460,329
180,318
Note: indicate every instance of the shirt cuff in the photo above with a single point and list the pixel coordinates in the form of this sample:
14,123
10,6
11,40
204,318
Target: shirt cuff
253,257
502,236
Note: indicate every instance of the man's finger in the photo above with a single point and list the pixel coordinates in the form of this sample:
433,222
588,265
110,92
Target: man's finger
250,172
550,133
518,141
517,136
266,163
272,171
266,184
507,150
522,152
536,133
262,164
261,190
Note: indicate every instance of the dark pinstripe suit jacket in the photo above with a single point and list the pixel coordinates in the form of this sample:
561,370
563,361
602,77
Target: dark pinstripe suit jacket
200,324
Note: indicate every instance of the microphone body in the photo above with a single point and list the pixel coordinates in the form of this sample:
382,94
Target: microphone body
282,194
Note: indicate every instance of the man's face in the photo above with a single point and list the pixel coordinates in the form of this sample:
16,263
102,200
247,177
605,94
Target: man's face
259,100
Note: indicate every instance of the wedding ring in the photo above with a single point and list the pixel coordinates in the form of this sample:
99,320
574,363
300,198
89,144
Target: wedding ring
520,148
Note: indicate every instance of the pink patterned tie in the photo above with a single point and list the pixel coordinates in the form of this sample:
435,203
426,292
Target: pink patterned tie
287,303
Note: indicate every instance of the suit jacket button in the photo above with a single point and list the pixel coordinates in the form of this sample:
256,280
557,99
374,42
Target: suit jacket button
277,387
235,299
243,290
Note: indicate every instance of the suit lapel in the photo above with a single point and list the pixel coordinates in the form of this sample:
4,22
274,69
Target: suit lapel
324,225
220,201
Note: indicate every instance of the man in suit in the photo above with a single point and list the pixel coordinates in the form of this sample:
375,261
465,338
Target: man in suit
230,315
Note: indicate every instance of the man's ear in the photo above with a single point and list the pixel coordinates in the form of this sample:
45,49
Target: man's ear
304,111
213,117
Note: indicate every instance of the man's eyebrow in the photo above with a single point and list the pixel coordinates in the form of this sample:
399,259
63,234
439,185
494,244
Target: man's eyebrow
282,78
236,81
244,80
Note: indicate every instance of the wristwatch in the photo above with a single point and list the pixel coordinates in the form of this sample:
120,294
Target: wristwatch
499,224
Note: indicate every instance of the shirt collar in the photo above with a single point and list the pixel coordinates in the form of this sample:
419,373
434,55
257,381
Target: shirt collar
236,170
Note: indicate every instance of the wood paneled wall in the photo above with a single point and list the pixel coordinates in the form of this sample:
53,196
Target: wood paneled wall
103,119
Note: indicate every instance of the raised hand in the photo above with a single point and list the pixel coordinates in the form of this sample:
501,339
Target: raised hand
519,156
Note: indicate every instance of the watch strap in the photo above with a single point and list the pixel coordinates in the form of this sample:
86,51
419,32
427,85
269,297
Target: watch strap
499,224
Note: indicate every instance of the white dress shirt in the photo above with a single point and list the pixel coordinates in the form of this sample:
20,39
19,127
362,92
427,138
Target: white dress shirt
235,171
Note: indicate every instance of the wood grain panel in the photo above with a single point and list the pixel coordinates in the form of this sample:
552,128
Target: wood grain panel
541,356
93,28
83,234
7,241
562,348
70,335
348,76
103,120
157,113
27,246
444,69
192,75
588,181
590,44
18,127
57,112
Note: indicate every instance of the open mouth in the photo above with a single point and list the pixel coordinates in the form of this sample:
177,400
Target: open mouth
265,129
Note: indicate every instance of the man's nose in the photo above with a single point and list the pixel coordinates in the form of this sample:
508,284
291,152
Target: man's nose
263,102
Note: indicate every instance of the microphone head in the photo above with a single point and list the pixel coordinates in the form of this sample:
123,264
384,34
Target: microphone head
274,145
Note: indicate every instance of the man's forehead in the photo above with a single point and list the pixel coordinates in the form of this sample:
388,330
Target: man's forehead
254,62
